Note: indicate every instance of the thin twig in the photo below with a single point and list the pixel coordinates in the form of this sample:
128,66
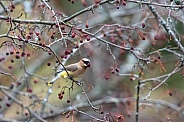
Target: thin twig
22,105
167,28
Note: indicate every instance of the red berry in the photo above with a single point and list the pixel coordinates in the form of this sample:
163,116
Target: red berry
132,48
156,37
43,45
62,56
76,46
43,5
18,83
106,77
23,54
20,38
8,104
71,51
17,56
52,36
87,38
155,60
7,53
97,1
12,60
84,3
81,41
1,59
124,3
26,114
68,101
28,54
65,56
11,53
37,33
67,52
85,35
170,94
30,32
59,94
119,117
48,64
131,78
8,20
57,25
13,6
26,41
79,29
67,116
35,81
143,25
11,10
50,53
10,67
87,25
60,97
28,37
112,71
39,38
30,90
73,35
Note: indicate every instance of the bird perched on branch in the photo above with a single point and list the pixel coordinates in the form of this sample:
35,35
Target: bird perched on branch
73,70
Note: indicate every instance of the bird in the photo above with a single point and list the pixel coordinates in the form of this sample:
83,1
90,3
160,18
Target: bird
74,70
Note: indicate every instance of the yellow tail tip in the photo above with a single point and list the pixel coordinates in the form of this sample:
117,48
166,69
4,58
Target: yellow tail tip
49,84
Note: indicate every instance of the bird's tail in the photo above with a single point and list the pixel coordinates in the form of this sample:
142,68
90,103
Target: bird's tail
53,80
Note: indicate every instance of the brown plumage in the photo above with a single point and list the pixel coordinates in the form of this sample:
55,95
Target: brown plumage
74,70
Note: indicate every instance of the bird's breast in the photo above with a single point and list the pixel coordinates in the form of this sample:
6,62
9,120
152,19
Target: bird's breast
74,74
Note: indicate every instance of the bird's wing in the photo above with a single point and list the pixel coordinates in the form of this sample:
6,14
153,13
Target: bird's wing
71,67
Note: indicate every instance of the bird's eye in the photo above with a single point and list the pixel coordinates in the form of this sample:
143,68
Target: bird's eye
87,63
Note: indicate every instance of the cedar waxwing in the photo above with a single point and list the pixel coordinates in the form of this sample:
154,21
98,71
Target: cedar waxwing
74,70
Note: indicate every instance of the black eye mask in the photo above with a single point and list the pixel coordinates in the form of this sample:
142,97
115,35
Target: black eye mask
87,63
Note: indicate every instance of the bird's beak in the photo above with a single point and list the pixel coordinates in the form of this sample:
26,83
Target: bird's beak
88,65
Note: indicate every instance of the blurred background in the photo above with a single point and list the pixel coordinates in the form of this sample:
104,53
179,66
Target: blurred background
126,44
